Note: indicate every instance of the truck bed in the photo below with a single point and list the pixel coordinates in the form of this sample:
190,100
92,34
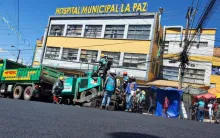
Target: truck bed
30,75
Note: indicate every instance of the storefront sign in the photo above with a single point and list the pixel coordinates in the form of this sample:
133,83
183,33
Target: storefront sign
10,73
104,9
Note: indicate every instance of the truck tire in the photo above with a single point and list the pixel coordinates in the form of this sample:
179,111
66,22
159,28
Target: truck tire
28,93
17,93
88,92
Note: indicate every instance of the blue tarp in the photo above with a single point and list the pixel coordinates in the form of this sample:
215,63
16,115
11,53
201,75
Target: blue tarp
174,97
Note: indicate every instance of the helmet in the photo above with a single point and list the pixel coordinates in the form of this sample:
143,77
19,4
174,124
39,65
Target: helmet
143,92
61,78
102,55
125,73
112,71
131,76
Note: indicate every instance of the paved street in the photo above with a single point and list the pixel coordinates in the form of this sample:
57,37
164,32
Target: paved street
23,119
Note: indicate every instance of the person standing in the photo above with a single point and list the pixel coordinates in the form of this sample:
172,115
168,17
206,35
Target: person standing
109,88
141,101
150,104
103,66
210,106
166,105
125,80
200,112
130,90
57,89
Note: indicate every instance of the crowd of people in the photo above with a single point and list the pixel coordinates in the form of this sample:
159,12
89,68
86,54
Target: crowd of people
212,107
134,98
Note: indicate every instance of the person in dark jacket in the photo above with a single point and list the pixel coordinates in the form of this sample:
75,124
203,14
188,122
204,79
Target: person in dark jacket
109,88
57,89
130,90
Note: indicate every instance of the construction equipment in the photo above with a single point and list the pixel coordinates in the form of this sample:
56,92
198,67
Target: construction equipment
88,89
22,82
82,89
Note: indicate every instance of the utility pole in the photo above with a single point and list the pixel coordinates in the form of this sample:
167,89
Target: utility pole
184,56
19,51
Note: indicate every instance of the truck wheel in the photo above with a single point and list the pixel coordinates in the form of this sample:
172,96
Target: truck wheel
28,93
88,92
17,93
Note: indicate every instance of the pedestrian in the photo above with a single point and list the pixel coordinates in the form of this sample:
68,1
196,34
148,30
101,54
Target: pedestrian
210,106
166,105
103,66
109,88
57,89
130,90
125,80
200,112
150,104
218,111
141,102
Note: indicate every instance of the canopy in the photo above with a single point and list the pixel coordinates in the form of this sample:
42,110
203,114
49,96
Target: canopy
206,96
215,92
174,97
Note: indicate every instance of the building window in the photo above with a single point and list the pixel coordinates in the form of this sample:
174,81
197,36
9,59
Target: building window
88,56
215,70
74,30
165,47
52,53
199,44
57,30
93,31
114,31
194,76
212,85
170,73
114,57
140,32
70,54
190,76
137,61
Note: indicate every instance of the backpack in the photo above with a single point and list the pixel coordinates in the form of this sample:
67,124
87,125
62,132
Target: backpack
110,85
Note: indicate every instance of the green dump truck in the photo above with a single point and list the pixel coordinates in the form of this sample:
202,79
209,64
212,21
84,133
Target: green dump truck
22,82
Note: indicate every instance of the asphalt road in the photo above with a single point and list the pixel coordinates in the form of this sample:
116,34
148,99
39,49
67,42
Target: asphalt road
23,119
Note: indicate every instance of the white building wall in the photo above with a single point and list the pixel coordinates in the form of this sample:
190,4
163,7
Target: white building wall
175,47
175,40
207,66
139,74
104,22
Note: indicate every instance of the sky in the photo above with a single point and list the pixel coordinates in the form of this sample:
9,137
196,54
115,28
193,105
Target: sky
33,18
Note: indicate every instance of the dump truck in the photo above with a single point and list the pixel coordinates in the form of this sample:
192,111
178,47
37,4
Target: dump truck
22,82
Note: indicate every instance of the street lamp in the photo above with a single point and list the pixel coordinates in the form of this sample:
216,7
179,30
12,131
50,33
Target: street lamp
19,51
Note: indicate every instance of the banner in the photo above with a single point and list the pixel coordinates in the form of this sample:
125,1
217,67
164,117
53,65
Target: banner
104,9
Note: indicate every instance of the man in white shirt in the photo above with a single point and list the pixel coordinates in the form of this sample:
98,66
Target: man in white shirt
210,106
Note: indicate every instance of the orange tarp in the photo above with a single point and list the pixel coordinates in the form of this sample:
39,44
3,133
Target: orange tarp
206,96
215,92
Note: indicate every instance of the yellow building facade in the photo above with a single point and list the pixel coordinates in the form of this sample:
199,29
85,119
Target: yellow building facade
130,41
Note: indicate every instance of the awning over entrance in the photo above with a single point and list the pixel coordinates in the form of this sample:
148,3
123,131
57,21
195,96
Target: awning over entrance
166,83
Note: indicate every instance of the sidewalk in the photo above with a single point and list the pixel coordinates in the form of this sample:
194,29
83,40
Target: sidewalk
205,120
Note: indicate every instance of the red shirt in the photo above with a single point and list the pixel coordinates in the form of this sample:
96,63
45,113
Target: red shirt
166,103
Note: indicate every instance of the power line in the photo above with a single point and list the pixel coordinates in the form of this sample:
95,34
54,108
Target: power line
18,33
